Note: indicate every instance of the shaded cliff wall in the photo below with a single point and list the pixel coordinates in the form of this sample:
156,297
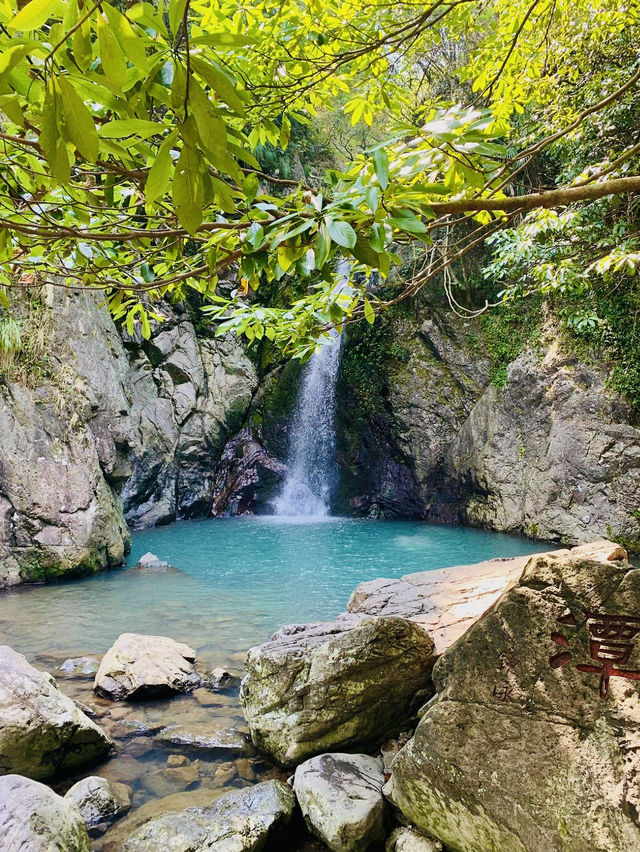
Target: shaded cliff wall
106,432
537,443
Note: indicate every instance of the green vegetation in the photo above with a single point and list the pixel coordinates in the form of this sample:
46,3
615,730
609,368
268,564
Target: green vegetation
152,149
506,331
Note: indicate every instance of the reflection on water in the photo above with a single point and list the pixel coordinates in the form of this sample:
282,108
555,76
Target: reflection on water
237,581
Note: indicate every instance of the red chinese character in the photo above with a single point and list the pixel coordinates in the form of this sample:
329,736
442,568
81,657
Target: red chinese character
610,645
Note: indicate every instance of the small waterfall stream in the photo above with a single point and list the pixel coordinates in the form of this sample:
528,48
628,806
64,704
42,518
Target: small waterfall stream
312,468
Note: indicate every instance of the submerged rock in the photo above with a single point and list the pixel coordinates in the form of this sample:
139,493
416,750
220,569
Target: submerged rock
340,796
532,740
354,681
138,667
80,666
99,801
34,819
239,821
210,738
150,562
42,732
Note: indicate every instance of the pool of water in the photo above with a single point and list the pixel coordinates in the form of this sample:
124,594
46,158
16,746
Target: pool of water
238,580
235,581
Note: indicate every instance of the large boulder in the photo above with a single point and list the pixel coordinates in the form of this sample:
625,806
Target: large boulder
34,819
99,801
532,740
42,732
138,667
340,796
354,681
239,821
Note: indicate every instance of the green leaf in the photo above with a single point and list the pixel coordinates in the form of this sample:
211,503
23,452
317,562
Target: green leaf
78,121
112,58
9,58
176,13
220,82
61,167
187,190
381,165
131,44
120,128
372,196
33,15
342,233
223,195
323,246
82,47
211,128
409,223
159,173
365,253
369,313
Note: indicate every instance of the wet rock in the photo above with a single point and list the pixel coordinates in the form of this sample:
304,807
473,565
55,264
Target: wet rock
167,781
407,839
150,562
34,819
240,820
340,796
354,681
176,760
206,737
99,801
529,743
138,667
42,732
80,666
222,679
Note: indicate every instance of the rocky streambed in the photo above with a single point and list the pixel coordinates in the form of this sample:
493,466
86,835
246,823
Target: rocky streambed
488,707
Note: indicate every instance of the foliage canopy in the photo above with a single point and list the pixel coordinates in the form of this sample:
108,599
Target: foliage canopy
129,136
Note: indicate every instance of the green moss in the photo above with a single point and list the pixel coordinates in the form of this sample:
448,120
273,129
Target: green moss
506,330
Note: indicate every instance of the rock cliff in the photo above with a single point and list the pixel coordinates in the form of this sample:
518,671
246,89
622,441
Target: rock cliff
550,451
111,432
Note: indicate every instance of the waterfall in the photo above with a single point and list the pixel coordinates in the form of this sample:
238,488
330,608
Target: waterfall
311,466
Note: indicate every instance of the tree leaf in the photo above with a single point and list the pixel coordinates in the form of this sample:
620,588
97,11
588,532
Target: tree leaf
369,313
33,15
159,173
211,128
78,121
112,58
187,190
220,82
365,253
176,13
342,233
120,128
381,165
131,44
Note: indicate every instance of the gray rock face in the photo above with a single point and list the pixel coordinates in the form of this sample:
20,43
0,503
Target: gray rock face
552,455
138,667
531,741
340,796
141,426
392,457
99,801
42,732
34,819
240,821
354,681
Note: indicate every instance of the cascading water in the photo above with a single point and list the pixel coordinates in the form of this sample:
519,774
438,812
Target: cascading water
312,468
